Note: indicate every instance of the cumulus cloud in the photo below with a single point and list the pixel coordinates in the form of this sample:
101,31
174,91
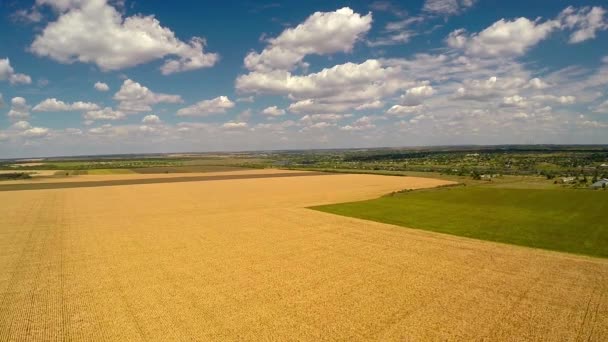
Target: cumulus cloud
482,90
273,111
134,97
508,38
25,129
54,105
447,7
8,73
322,33
537,83
503,38
36,132
21,125
585,22
235,125
151,119
95,32
514,101
414,96
340,87
20,110
361,124
106,113
217,105
100,86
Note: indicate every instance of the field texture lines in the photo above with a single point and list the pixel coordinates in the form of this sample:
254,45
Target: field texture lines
244,259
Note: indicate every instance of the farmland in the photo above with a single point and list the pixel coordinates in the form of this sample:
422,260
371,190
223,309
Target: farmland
244,259
558,219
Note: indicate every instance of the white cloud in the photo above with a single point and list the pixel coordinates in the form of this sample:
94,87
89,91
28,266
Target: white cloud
309,119
151,119
8,73
273,111
217,105
340,87
100,86
482,90
95,32
447,7
148,129
507,38
514,101
101,130
404,110
20,110
235,125
503,38
585,21
318,125
134,97
563,99
370,105
421,91
36,132
104,114
54,105
537,83
322,33
312,106
22,125
414,96
361,124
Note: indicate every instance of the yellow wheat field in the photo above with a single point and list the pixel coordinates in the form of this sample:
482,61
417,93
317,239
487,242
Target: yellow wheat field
245,260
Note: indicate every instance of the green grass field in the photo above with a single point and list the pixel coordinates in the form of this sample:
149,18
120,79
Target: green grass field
574,221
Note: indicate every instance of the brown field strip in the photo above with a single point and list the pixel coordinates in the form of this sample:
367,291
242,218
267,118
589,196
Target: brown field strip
138,181
243,259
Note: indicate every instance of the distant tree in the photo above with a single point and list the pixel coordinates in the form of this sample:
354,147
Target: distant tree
475,175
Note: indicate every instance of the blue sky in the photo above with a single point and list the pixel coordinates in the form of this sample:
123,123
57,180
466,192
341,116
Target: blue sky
99,76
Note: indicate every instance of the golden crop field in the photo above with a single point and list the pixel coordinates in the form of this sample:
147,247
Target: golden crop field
244,259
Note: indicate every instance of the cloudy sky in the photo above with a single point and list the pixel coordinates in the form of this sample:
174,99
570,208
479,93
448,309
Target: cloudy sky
122,76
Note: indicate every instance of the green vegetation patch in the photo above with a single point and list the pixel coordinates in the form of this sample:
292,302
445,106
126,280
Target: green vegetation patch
14,176
574,221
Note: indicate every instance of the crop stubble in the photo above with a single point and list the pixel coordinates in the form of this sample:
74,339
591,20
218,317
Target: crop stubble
244,259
